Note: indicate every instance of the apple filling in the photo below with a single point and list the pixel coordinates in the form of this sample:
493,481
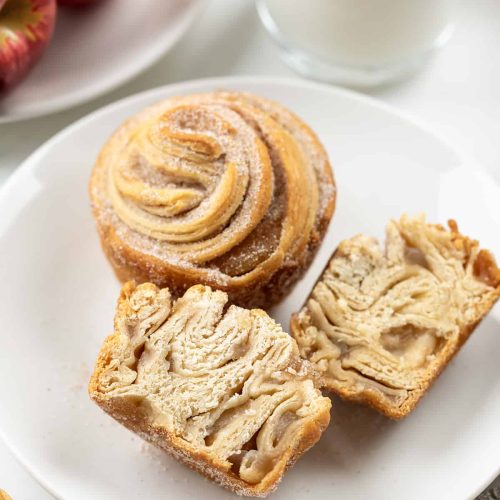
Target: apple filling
227,380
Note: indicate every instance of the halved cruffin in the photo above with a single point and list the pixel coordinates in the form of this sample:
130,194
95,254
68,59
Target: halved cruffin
380,326
221,388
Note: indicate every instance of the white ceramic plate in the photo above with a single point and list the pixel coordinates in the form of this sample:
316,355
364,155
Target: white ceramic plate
58,296
95,49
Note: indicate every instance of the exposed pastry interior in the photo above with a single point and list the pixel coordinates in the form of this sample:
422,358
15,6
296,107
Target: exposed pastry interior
380,324
221,387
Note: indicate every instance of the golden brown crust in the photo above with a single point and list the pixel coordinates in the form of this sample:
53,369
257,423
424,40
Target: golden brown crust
136,417
266,281
485,271
4,495
201,462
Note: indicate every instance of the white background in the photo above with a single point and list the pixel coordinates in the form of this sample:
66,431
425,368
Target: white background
457,95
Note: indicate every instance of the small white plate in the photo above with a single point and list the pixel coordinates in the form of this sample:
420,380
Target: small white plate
94,50
58,296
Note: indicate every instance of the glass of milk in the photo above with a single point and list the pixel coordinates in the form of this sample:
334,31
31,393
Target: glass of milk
357,42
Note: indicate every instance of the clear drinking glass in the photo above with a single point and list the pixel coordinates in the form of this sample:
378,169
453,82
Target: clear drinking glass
357,42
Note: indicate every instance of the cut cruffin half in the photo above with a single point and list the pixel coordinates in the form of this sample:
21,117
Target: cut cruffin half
381,325
221,388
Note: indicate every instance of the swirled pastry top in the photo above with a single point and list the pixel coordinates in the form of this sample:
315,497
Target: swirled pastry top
226,185
380,326
228,382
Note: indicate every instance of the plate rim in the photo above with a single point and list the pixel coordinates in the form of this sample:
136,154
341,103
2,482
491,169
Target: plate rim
166,41
29,164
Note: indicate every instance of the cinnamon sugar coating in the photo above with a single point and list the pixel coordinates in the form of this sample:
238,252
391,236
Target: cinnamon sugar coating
225,189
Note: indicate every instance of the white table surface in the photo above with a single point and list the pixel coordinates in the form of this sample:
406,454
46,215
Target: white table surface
457,95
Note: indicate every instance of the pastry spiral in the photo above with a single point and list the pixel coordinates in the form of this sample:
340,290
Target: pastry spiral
225,189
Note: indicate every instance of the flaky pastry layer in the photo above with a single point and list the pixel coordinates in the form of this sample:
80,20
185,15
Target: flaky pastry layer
222,388
226,189
380,326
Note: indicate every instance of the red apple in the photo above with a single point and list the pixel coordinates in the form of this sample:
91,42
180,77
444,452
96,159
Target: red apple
26,27
75,3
